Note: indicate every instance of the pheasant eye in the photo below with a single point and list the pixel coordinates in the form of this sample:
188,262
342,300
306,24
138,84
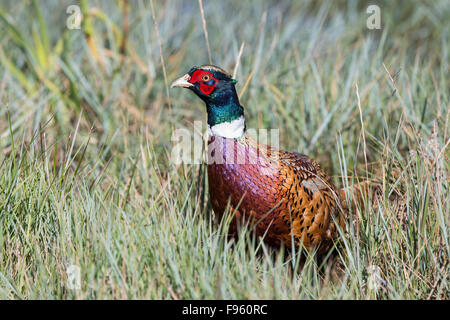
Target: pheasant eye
205,77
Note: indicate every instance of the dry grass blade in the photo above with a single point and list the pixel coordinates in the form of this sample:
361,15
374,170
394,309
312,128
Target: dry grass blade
163,64
238,60
205,30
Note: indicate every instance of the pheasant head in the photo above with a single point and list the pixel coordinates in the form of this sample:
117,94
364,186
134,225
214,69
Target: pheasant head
217,89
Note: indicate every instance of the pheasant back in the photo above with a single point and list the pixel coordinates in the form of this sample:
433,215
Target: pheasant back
286,197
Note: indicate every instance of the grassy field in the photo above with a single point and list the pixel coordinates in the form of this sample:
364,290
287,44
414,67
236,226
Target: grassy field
87,182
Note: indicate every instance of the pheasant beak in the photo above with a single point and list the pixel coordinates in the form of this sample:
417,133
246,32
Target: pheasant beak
182,82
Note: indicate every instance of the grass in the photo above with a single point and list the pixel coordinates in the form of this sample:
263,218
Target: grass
86,124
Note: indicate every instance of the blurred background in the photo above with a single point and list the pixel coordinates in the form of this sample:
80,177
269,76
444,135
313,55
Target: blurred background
301,60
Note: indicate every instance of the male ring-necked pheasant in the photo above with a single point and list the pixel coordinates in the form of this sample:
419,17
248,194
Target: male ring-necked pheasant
286,195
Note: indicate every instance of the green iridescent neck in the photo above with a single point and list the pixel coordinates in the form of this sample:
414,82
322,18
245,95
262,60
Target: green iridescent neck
223,106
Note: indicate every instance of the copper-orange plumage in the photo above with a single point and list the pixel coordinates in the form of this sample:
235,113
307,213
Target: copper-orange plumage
285,196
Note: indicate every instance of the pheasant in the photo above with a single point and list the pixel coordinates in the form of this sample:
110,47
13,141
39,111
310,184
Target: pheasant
285,196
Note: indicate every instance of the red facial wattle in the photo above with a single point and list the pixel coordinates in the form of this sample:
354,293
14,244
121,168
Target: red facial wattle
205,79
